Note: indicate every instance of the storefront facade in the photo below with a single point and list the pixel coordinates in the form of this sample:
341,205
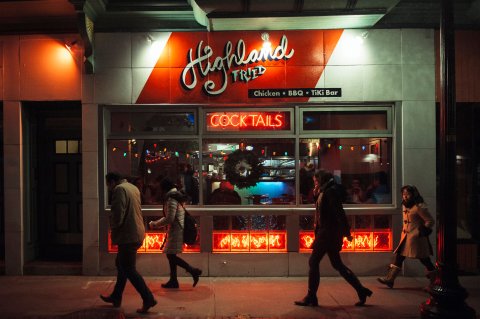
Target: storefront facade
240,120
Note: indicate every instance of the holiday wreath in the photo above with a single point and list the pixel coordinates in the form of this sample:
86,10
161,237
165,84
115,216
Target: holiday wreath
243,169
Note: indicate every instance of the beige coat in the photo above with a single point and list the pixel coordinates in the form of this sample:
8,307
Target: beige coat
174,218
126,220
415,245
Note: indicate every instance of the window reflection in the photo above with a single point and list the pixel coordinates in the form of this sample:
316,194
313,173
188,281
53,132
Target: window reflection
275,185
165,122
360,165
146,162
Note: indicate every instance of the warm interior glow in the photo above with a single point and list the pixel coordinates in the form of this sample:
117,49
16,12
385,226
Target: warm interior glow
152,243
362,241
253,241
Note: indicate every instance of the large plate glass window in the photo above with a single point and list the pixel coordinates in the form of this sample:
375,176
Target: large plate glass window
146,161
248,171
146,145
355,144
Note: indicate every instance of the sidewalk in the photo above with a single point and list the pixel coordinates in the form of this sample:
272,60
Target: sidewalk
76,297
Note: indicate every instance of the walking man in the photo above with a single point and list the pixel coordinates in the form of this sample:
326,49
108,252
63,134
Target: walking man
127,231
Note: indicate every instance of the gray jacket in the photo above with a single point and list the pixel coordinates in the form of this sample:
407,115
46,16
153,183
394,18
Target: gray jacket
126,220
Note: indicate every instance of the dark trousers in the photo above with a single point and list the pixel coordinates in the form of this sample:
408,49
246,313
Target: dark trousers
126,269
425,261
174,261
332,249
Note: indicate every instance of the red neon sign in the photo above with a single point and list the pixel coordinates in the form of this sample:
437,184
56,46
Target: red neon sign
248,121
153,244
253,241
362,241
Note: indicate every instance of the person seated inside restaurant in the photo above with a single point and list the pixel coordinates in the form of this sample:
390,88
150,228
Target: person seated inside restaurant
225,194
356,195
378,192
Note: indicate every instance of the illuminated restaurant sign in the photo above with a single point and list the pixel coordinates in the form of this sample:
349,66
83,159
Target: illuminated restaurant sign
219,67
205,63
248,121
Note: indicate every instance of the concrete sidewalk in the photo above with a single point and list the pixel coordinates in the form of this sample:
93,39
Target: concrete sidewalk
69,297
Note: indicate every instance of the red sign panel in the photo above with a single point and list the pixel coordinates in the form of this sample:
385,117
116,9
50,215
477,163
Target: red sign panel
248,121
219,67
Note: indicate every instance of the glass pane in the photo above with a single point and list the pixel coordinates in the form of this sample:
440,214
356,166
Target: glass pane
363,222
382,221
361,165
221,222
344,120
72,146
249,172
61,217
60,147
61,178
148,122
240,222
146,162
306,222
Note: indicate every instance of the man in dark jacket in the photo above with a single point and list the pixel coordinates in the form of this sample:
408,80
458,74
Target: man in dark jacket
331,226
127,231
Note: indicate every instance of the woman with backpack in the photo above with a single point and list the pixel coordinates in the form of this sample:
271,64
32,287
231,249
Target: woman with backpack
174,217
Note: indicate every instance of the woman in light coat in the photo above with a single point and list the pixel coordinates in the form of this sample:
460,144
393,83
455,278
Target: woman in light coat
414,243
174,217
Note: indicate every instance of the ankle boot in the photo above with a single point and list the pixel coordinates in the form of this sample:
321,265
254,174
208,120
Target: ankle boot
146,306
114,301
389,278
363,293
307,301
195,272
172,283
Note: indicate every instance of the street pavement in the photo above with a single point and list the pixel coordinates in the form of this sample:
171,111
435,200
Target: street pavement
77,297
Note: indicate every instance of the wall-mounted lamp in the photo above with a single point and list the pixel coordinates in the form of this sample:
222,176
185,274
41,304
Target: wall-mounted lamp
361,37
266,41
150,39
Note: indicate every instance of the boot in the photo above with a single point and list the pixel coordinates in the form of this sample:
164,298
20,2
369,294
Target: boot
363,293
309,300
172,283
195,272
389,278
109,299
352,279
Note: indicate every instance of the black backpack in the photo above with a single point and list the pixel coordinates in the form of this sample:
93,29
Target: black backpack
190,231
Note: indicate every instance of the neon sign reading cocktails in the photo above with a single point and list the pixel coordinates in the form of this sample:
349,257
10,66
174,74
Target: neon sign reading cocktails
205,63
256,121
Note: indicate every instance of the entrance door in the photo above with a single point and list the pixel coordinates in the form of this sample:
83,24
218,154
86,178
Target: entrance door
57,171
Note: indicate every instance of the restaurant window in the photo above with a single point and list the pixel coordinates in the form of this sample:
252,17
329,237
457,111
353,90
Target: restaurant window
145,122
355,145
146,162
274,158
147,145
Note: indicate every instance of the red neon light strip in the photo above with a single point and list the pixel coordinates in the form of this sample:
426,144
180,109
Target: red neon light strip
254,241
152,243
362,241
